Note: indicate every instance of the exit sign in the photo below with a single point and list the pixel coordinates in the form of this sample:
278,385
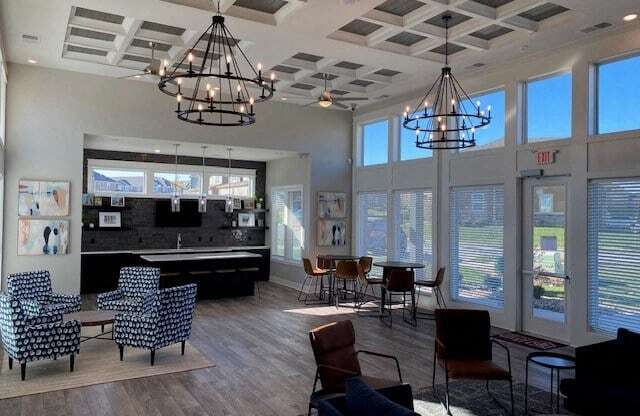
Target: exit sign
545,157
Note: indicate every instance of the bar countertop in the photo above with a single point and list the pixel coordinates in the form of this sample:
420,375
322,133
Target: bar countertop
181,250
199,256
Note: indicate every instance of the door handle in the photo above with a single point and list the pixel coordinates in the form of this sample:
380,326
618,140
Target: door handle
558,276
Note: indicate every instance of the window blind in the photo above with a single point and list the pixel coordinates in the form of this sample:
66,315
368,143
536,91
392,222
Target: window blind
372,227
614,254
476,249
413,232
278,222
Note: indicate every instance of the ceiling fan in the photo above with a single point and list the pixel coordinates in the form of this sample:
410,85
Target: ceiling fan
326,99
153,69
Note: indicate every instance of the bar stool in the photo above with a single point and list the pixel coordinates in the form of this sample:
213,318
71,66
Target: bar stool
203,279
317,275
400,282
252,272
347,271
434,285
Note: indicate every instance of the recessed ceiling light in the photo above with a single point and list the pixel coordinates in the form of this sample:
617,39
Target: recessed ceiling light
284,98
32,61
136,76
157,150
630,17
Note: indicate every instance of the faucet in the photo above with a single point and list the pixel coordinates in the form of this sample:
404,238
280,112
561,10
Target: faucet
179,241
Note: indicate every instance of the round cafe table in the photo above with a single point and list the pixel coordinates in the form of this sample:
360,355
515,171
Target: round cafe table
387,268
332,260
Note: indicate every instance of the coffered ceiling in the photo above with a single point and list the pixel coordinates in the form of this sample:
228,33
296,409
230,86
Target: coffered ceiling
364,48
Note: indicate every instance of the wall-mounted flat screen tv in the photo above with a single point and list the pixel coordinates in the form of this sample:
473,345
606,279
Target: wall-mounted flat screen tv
187,217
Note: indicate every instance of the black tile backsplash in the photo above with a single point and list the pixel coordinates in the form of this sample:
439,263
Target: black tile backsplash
138,217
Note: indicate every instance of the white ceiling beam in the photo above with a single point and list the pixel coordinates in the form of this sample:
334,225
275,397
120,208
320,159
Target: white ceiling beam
381,35
122,42
516,7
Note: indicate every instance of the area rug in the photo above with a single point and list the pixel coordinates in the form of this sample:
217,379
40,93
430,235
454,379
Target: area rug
529,341
97,363
470,398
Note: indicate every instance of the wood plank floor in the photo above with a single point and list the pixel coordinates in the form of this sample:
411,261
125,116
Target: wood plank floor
264,363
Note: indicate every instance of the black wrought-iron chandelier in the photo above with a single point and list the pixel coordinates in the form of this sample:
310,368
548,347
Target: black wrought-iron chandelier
445,117
228,96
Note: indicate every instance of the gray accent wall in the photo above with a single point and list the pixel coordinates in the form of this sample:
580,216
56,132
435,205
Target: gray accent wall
49,112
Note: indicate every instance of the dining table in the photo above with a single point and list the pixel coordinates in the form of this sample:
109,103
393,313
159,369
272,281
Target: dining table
331,260
387,268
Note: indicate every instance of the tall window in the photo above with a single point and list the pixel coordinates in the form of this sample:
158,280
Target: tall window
492,135
614,254
105,181
618,83
375,143
549,108
372,227
476,249
413,235
287,223
408,149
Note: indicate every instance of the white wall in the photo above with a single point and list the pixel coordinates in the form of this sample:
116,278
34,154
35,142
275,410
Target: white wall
581,157
50,111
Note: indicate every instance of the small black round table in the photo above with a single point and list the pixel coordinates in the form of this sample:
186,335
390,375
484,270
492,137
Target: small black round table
387,268
555,362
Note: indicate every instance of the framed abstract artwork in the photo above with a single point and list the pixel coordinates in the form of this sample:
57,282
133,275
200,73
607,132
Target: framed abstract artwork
332,233
40,237
43,198
332,205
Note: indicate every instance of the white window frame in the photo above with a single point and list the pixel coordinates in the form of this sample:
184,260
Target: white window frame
288,245
400,120
524,108
593,116
149,169
390,137
473,98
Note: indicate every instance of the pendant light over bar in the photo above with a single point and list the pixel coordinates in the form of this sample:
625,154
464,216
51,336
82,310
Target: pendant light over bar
202,201
175,198
214,91
228,206
445,117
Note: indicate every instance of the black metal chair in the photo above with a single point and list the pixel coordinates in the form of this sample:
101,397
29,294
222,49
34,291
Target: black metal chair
435,286
400,283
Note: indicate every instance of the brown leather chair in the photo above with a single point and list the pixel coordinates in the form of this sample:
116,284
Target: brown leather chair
315,276
337,360
463,348
347,272
366,281
435,286
400,282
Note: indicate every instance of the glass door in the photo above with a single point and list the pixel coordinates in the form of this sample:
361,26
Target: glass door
544,261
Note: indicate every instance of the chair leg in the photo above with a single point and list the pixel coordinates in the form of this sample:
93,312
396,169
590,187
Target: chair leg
301,290
72,361
121,348
182,347
511,392
446,393
153,357
435,364
10,363
23,370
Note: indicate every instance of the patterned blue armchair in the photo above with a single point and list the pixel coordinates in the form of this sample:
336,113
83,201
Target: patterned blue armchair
165,320
33,290
27,337
134,284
